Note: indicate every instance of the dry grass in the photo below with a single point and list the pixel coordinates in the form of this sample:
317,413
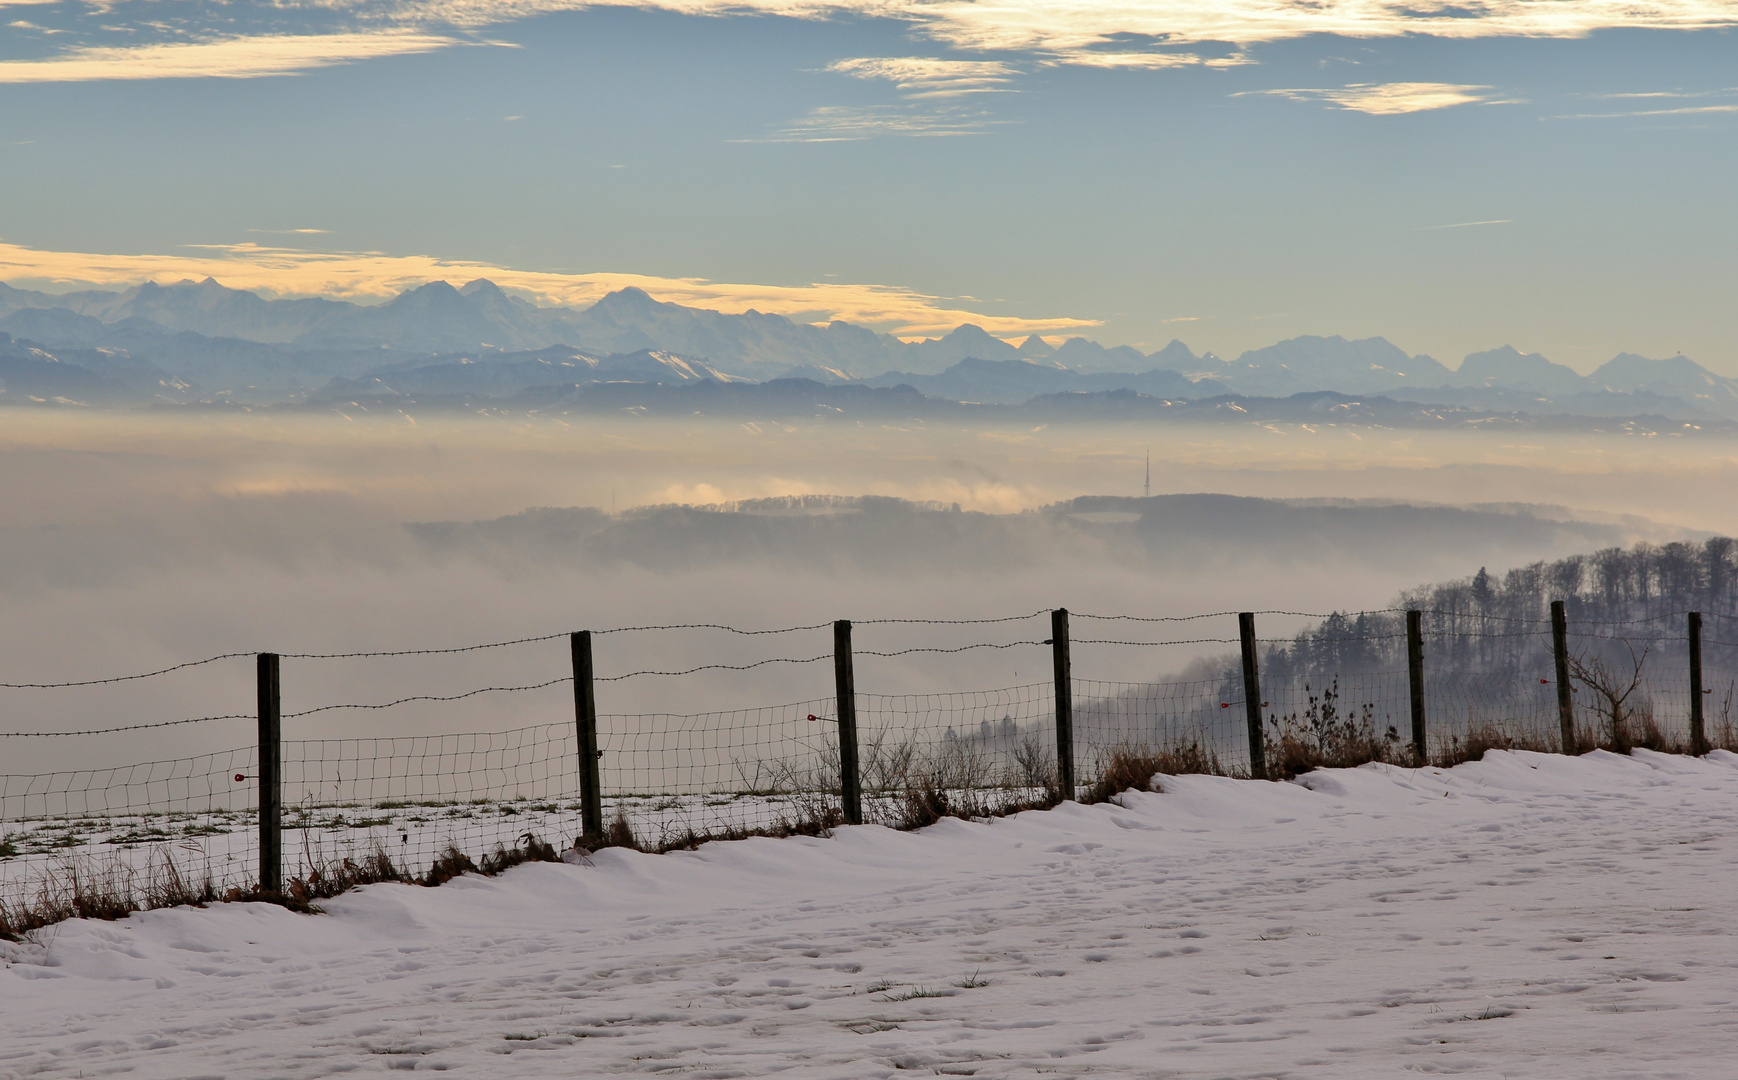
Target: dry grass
1328,735
814,813
619,833
1132,768
88,887
1640,730
815,820
1455,750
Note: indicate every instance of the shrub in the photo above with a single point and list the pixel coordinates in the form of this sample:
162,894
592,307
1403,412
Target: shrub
1324,735
1132,768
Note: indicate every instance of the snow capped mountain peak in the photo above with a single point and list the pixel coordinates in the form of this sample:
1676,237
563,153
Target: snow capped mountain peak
435,292
626,302
482,287
1508,367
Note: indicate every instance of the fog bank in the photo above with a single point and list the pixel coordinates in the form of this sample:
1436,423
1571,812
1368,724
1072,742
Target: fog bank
128,542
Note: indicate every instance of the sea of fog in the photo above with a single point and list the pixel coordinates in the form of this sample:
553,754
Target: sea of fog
132,541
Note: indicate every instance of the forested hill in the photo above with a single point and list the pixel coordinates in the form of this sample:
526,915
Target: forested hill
1616,599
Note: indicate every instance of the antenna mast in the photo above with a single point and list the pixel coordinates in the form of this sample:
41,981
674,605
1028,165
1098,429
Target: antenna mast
1147,487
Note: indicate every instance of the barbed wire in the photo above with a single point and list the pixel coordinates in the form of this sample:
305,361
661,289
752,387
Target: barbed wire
717,667
951,622
422,652
1453,634
552,637
959,649
1238,641
1204,615
429,697
1188,641
124,678
714,626
128,727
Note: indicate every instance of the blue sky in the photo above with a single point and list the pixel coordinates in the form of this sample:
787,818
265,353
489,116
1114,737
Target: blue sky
1554,175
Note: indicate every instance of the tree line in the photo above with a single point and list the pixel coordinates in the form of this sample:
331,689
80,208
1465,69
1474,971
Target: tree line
1617,600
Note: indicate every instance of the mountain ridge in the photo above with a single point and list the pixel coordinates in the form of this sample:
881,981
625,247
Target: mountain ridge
235,343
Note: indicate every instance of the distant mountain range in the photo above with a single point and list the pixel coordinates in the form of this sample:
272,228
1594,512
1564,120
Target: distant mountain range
200,342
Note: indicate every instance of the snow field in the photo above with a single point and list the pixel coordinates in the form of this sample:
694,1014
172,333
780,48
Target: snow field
1528,915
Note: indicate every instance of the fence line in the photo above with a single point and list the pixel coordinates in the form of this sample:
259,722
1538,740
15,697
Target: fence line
284,808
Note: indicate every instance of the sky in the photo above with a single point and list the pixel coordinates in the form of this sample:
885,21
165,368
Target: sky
1551,174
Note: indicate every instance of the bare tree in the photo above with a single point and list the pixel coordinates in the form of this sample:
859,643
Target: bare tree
1612,688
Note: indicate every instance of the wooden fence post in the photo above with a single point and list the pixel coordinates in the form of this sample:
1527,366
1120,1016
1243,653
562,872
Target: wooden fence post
1560,652
585,716
845,691
1252,696
1415,669
271,776
1064,671
1698,726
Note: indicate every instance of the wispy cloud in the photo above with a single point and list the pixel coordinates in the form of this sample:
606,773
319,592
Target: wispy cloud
920,77
1387,99
841,123
1679,95
1092,33
1686,110
1066,28
376,276
1469,224
229,58
1153,61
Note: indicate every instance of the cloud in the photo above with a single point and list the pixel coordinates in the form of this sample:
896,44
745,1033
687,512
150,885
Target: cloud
841,123
1072,26
926,77
1470,224
1651,96
1069,28
228,58
1687,110
1093,33
1726,91
1146,60
368,276
1387,99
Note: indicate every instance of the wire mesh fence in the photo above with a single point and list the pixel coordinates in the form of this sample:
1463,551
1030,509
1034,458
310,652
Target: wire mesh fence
192,826
670,778
413,798
1198,721
922,756
135,829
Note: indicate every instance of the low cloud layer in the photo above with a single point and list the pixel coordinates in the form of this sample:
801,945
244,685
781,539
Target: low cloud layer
134,541
376,275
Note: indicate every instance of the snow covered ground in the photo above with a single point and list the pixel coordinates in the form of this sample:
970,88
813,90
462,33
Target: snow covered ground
1525,916
223,845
